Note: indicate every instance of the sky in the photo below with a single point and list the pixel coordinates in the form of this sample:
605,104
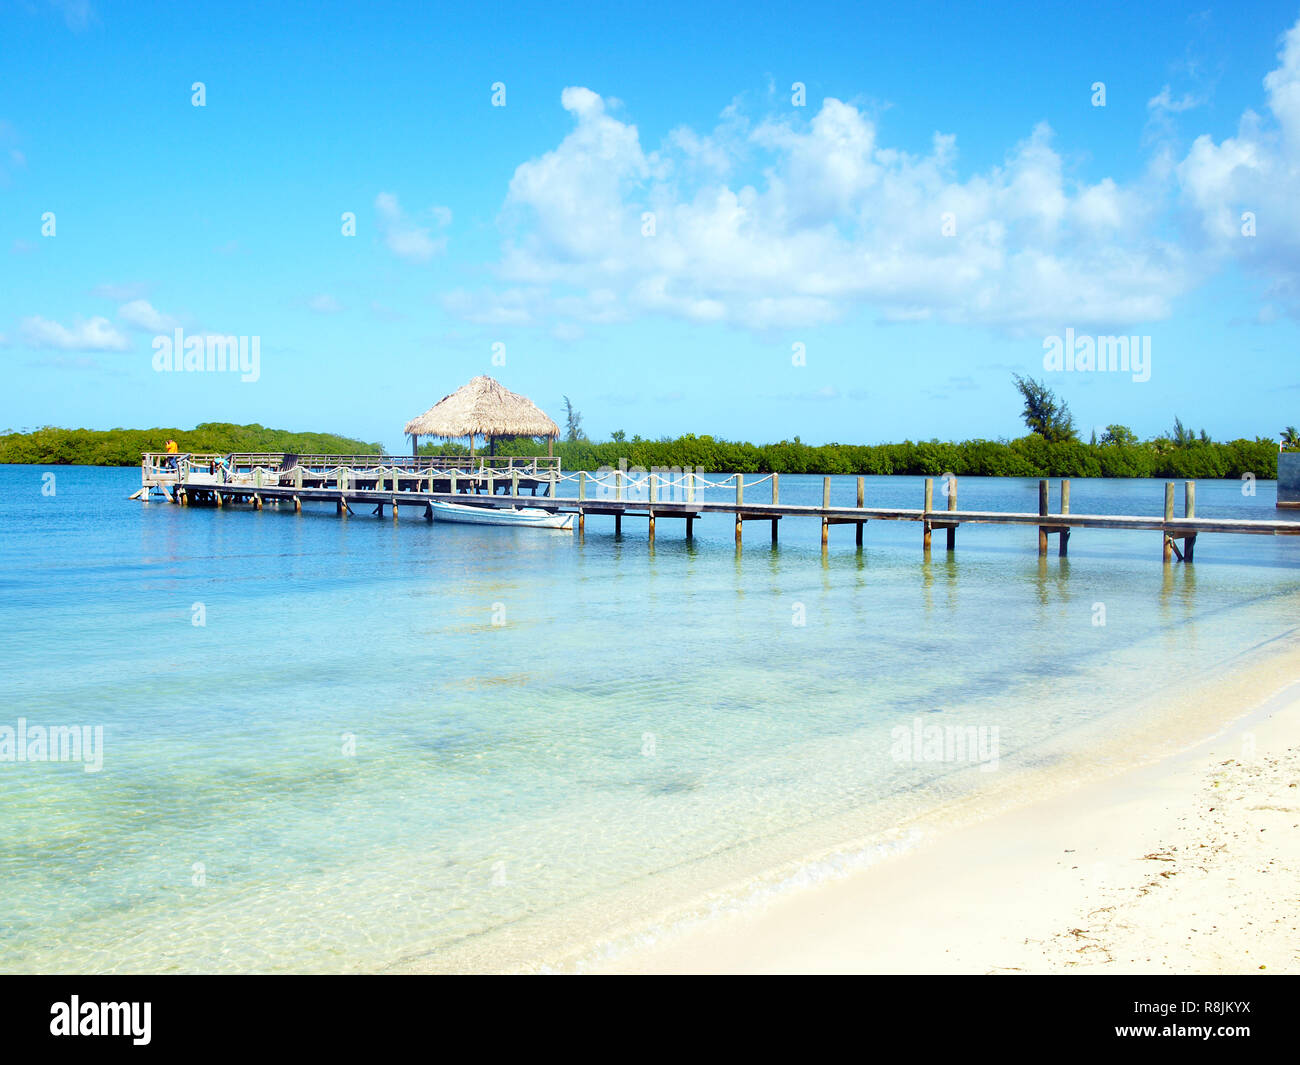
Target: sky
842,222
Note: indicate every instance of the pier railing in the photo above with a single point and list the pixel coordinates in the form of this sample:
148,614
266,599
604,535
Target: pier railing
162,467
656,493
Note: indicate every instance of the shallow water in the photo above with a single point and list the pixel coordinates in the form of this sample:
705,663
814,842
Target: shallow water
387,741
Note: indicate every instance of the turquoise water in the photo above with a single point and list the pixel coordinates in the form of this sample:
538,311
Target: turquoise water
396,744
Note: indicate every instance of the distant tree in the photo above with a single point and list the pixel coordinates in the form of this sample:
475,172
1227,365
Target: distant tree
574,419
1045,414
1290,439
1119,436
618,436
1181,435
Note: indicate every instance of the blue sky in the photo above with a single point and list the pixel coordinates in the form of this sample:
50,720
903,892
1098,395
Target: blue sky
946,199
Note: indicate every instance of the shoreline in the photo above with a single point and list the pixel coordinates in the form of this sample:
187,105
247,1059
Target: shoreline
1176,860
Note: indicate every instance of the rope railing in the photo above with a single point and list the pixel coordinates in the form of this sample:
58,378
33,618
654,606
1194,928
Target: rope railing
633,484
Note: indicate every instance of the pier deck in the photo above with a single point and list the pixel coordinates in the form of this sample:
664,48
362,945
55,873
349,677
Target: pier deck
348,482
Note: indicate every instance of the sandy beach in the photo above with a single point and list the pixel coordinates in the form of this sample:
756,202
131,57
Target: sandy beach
1182,862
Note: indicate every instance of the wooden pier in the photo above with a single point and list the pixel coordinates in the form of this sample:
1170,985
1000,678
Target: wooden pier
381,481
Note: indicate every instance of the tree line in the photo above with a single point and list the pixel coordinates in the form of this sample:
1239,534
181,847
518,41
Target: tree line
1052,448
51,446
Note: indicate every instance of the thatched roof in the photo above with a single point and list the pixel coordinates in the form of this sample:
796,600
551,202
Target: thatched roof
483,408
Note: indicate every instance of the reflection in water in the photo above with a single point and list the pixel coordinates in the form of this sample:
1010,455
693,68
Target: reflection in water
641,712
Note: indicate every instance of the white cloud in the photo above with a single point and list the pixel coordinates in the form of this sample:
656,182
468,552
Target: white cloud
120,293
95,334
1257,172
405,237
829,220
324,304
1164,101
78,15
141,314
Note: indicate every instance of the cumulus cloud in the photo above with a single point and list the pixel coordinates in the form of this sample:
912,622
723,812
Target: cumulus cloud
405,237
142,315
94,334
1240,193
831,219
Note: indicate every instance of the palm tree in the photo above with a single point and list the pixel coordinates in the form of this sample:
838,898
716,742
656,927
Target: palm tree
1290,439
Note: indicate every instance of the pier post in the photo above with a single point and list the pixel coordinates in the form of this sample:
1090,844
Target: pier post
618,524
452,486
1169,516
826,505
582,484
690,486
297,504
1044,494
952,505
653,492
1065,509
690,528
1189,511
740,499
514,481
776,500
491,482
929,506
582,522
862,499
428,511
618,483
297,477
554,482
217,496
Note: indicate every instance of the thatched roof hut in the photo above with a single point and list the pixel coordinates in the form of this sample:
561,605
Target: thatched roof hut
482,408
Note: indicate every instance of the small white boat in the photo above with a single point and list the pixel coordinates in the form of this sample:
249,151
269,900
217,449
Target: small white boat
533,517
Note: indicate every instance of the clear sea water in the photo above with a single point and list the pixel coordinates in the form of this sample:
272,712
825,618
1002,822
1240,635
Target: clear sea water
397,744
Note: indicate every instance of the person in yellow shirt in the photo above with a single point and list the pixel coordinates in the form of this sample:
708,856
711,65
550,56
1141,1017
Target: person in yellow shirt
172,449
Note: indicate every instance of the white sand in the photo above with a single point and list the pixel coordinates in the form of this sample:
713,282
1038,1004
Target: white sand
1190,864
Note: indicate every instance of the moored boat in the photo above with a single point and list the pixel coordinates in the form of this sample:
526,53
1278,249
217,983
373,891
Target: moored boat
532,517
